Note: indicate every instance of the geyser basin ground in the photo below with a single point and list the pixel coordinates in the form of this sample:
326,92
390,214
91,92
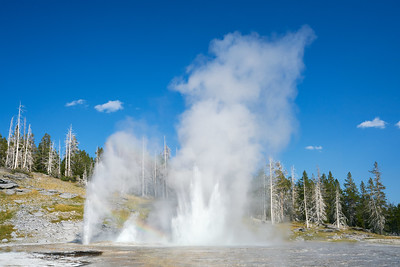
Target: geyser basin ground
285,254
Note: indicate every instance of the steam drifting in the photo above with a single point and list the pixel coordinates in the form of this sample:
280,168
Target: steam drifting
239,108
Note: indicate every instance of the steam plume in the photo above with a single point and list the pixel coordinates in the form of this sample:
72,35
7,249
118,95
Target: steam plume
240,102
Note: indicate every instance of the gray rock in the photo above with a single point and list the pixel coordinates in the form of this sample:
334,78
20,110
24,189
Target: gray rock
19,201
67,195
46,193
9,191
4,240
21,191
327,230
38,214
17,175
5,184
4,181
8,186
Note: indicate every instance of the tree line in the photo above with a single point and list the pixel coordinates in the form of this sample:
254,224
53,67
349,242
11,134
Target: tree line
19,152
321,199
66,161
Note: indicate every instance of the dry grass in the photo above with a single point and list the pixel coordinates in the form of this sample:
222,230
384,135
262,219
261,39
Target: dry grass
140,205
5,231
50,183
6,228
67,208
120,216
343,235
6,215
66,212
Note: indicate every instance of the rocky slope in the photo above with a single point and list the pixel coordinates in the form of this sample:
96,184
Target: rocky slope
36,208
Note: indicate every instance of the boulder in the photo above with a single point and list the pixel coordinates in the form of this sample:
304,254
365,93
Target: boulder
17,175
9,191
47,193
6,184
21,191
21,176
38,214
67,195
327,230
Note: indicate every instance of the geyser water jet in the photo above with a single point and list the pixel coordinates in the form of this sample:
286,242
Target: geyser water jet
240,103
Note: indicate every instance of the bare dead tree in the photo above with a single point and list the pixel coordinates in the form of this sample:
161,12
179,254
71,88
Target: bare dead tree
18,130
340,219
272,192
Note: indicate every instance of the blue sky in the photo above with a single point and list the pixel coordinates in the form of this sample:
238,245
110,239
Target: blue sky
56,52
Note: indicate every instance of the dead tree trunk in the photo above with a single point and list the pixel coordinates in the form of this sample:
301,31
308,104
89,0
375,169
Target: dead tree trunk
18,136
271,185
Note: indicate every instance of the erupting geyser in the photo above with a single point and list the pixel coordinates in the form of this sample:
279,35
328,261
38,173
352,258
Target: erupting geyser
239,107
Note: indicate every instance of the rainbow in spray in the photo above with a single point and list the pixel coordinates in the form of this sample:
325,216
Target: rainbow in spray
136,229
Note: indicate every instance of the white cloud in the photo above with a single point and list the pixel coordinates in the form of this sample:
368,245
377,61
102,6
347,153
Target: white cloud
110,106
376,123
398,124
75,102
313,147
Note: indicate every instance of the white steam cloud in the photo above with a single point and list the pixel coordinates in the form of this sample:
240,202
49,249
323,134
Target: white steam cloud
240,104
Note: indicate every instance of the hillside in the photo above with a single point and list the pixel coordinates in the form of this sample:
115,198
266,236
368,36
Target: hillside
36,208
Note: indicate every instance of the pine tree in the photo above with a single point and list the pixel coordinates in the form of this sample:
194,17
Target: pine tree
351,199
362,208
3,150
81,165
99,153
393,219
59,160
10,146
329,185
282,193
42,155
